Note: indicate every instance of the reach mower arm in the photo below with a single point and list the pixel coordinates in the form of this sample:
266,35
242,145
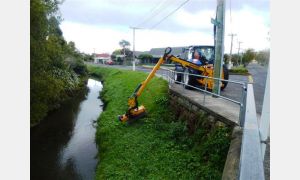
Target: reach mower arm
134,111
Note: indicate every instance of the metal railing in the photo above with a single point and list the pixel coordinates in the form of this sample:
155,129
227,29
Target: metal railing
169,75
251,160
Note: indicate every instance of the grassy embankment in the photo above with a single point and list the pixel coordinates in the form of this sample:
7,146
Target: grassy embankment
158,146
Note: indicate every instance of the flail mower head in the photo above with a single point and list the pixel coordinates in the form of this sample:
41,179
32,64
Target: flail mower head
133,114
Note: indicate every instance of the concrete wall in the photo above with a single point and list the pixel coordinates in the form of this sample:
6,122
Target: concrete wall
195,115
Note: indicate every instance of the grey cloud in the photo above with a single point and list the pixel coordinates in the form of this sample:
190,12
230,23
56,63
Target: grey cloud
196,5
97,14
97,17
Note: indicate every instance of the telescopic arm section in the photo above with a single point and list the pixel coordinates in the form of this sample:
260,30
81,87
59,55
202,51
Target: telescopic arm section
132,101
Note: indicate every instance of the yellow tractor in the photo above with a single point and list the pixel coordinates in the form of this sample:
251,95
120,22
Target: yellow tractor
188,66
200,65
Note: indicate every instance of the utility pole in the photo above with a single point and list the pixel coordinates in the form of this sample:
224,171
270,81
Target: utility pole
219,22
230,49
133,47
239,51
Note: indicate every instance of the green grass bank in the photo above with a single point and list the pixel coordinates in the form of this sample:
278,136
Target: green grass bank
158,146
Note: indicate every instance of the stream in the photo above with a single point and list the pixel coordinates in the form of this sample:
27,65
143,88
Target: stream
63,145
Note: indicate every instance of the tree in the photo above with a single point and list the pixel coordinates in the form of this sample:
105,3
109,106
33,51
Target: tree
117,52
126,53
263,57
226,58
145,58
88,57
123,43
235,59
55,65
248,56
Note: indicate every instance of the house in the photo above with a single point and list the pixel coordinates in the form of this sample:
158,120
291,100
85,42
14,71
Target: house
101,58
137,54
159,52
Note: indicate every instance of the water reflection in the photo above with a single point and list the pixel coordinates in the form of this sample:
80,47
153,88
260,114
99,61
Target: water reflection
62,146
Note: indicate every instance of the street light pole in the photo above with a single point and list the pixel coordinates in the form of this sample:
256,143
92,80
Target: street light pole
133,47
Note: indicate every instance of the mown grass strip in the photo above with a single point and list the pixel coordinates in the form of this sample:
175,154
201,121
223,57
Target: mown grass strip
157,146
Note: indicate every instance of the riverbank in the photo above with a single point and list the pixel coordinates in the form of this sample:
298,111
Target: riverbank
63,145
45,103
158,146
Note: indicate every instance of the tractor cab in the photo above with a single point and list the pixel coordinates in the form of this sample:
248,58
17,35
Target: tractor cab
206,54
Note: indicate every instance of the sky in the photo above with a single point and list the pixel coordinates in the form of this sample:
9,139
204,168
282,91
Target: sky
99,25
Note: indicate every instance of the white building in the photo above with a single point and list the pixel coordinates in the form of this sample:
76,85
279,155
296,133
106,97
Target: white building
101,58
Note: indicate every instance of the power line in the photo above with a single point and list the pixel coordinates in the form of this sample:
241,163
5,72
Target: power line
153,12
160,8
152,27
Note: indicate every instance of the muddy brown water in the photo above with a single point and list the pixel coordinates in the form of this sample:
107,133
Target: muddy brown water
63,145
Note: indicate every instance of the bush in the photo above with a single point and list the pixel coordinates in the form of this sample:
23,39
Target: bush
79,67
49,89
239,70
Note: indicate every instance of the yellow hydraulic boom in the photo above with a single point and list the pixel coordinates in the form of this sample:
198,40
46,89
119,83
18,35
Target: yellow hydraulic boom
134,111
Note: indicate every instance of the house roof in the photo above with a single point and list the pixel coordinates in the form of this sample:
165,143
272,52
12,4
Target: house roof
158,52
102,55
137,53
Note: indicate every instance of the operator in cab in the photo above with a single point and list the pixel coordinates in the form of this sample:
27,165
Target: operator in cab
201,60
198,58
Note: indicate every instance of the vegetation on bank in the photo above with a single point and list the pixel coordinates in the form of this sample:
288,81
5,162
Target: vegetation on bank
158,146
56,66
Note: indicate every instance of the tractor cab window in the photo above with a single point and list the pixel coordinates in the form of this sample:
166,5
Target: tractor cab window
207,52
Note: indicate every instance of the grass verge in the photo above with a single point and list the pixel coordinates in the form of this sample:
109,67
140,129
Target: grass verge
241,70
158,146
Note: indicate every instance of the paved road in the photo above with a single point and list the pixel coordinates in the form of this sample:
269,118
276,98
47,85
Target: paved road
259,74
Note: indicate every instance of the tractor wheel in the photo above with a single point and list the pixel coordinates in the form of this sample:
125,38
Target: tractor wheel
177,77
226,77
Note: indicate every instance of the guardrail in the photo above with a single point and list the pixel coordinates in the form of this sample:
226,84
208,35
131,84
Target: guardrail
251,160
170,77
